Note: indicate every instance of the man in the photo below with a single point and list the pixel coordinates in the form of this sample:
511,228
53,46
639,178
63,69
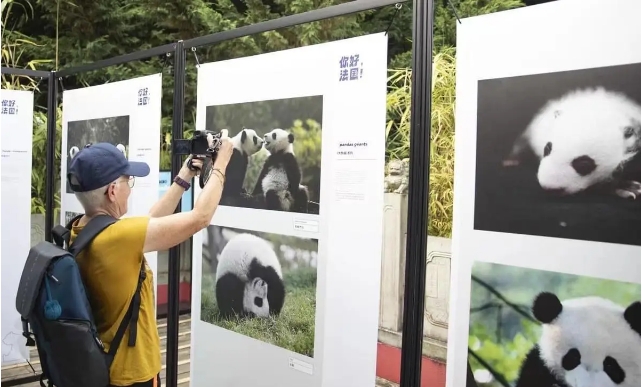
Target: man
102,179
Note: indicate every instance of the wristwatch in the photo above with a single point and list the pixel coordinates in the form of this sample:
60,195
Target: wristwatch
182,183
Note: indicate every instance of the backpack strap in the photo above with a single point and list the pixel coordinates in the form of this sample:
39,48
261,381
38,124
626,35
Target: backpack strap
61,235
130,319
89,232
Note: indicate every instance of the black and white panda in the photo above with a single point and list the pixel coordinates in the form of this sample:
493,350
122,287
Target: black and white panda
245,144
584,140
585,342
280,179
249,279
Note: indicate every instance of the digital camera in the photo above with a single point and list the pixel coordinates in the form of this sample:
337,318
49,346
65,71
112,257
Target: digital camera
200,149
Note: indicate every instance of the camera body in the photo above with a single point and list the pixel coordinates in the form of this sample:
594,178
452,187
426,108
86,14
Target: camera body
198,145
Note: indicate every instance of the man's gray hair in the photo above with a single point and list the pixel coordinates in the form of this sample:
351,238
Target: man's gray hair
94,200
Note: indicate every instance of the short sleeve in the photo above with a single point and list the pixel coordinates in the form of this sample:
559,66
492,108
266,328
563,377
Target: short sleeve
131,232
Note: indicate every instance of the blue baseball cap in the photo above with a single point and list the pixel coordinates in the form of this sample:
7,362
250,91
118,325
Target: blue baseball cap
99,164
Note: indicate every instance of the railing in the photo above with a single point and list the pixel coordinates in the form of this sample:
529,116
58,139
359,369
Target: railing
392,281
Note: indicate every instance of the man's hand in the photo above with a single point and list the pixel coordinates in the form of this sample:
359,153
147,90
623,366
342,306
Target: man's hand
186,173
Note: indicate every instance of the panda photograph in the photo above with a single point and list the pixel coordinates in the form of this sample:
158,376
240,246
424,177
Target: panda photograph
69,215
114,130
558,155
276,162
261,285
535,328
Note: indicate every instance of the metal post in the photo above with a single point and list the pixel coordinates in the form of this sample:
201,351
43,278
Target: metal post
50,170
174,265
417,242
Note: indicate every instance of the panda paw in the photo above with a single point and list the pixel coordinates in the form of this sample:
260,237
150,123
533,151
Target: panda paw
629,190
259,287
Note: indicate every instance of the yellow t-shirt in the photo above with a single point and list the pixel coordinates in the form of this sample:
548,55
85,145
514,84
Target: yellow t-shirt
110,266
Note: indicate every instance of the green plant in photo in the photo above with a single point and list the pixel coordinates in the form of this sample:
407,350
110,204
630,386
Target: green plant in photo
293,329
502,329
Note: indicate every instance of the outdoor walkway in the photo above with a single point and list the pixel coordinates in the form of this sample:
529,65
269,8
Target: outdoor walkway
19,371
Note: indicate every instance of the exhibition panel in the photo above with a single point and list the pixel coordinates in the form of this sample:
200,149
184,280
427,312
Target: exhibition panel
546,231
16,140
298,217
126,114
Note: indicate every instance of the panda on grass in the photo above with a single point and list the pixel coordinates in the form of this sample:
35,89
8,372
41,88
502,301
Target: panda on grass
585,342
280,179
244,145
249,279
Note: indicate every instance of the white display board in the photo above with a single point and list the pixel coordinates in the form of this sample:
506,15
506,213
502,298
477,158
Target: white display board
332,98
127,113
17,133
527,224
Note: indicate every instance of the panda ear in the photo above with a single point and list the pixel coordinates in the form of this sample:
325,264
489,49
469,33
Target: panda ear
632,316
243,136
291,138
546,307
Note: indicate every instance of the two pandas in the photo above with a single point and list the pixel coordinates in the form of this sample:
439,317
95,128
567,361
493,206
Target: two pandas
278,186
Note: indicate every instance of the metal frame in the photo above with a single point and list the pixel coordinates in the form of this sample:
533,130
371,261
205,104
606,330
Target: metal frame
418,181
49,161
52,93
416,245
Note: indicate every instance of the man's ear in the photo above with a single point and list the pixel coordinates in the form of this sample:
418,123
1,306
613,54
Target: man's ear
111,192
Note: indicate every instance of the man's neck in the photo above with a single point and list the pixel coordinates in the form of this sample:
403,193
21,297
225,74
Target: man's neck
87,217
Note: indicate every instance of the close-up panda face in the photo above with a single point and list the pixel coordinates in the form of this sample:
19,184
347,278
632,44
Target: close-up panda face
248,141
278,140
585,148
255,299
590,341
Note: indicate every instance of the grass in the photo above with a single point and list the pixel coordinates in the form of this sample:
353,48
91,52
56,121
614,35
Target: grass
293,329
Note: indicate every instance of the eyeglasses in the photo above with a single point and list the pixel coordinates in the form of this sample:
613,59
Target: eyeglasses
130,182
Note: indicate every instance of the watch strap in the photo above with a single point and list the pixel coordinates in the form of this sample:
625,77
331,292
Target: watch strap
182,183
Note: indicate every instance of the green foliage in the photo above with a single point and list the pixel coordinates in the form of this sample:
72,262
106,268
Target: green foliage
293,329
46,34
501,335
38,163
445,25
442,135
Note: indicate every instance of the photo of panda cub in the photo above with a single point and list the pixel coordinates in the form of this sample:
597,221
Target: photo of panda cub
585,341
114,130
276,160
258,284
535,328
558,155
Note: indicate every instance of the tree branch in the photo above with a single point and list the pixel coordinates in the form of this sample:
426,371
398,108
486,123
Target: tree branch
497,294
500,379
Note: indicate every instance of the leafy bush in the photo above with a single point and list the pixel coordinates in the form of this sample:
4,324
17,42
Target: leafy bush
442,135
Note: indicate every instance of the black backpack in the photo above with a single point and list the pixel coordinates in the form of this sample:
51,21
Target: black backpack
53,301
